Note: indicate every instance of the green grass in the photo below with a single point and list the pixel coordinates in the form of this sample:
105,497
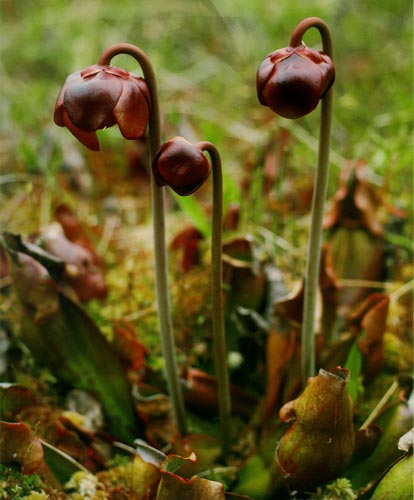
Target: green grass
205,54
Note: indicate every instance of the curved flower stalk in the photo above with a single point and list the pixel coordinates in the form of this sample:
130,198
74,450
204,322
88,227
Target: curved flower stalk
291,82
183,167
101,96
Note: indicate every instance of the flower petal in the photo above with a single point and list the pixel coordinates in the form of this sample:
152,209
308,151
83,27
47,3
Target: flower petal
90,103
132,109
87,138
59,107
294,89
91,71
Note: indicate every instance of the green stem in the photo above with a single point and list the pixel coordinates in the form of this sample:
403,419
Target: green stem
219,334
318,201
380,406
160,252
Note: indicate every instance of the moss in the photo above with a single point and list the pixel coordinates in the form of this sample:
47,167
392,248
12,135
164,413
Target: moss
17,486
340,489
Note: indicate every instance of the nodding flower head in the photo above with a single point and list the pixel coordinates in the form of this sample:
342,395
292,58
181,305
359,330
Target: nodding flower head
180,165
291,81
99,97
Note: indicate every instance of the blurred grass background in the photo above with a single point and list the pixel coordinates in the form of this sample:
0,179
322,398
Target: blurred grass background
205,54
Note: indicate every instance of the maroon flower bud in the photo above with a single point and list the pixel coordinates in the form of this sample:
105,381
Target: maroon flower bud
291,81
99,97
180,165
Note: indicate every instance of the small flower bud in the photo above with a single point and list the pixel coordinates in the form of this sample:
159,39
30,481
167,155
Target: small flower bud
180,165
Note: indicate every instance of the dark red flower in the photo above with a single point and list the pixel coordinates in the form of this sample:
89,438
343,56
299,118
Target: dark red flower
180,165
99,97
291,81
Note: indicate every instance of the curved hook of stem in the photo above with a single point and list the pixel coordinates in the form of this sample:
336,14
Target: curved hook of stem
219,335
160,252
321,26
318,201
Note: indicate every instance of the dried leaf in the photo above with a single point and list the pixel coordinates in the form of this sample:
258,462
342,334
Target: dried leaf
81,269
329,286
370,321
127,345
356,236
14,397
356,201
279,350
201,394
243,275
188,242
18,444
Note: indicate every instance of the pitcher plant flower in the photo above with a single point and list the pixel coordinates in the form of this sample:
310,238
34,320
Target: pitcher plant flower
291,82
183,167
101,96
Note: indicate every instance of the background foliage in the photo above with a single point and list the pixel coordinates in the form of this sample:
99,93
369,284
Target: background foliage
205,54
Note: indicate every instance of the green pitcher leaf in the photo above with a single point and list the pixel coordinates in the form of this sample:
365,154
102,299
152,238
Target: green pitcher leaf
63,337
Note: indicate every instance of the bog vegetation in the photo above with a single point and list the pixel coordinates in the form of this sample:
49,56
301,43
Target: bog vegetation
90,393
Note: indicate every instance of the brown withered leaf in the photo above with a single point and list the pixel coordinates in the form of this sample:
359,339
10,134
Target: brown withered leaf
356,201
283,343
127,345
243,275
329,286
75,231
283,351
19,444
231,217
13,398
280,347
355,235
58,430
367,325
82,271
187,241
369,322
34,285
201,395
